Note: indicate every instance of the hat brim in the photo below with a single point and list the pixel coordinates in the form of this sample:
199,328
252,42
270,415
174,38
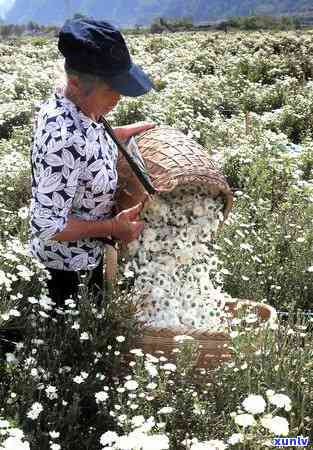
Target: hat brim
132,83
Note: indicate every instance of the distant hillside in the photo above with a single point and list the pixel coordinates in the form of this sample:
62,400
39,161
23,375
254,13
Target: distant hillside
131,12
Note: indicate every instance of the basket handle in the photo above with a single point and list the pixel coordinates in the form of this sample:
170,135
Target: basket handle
142,176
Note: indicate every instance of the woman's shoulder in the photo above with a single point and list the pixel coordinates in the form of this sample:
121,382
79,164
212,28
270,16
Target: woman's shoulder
56,113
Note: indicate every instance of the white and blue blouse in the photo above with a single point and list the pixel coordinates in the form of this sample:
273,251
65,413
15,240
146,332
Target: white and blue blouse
73,174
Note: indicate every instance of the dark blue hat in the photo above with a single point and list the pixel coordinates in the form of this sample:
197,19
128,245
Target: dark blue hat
98,48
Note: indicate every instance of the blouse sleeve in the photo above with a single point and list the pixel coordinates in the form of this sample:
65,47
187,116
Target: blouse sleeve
56,161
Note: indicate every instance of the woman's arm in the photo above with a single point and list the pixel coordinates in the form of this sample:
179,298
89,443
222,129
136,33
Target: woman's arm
126,227
77,229
125,132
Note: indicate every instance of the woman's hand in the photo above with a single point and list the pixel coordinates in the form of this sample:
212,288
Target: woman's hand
124,133
126,226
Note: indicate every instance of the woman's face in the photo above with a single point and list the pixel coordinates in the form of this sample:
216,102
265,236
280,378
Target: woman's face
103,98
97,101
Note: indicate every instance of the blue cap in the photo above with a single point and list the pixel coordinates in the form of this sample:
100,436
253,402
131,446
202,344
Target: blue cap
98,48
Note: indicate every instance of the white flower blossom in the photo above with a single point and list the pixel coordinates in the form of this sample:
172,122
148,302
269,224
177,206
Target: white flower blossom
166,410
213,444
84,336
101,396
4,423
79,379
23,212
10,358
244,420
35,410
277,425
131,385
138,421
54,434
108,438
169,366
281,401
51,392
254,404
235,438
55,446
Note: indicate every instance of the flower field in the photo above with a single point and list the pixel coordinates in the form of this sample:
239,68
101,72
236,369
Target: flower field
248,99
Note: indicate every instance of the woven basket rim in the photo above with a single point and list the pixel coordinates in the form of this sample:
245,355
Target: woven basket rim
212,348
171,332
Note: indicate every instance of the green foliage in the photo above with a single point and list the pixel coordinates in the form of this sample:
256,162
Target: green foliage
56,338
13,115
31,28
129,112
266,246
252,23
161,24
276,360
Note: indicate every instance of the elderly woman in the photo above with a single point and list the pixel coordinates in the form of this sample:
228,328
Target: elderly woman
74,175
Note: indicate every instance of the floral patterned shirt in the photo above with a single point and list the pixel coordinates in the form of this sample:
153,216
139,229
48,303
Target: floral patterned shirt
74,174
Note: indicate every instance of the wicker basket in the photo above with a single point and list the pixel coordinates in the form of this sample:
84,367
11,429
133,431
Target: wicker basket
172,159
213,347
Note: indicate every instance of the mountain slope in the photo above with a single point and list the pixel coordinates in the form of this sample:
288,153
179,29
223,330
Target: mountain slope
131,12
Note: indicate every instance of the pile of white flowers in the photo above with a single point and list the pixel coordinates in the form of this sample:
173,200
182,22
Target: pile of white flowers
171,262
11,438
